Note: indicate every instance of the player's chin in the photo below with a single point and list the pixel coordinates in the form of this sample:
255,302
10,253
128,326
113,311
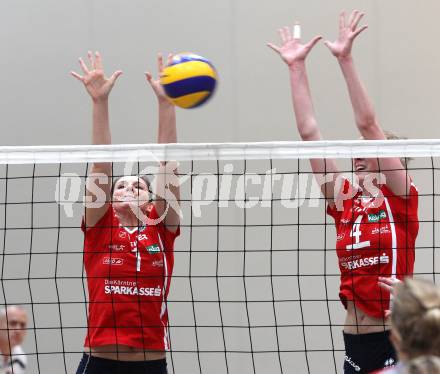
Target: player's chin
361,175
132,204
122,205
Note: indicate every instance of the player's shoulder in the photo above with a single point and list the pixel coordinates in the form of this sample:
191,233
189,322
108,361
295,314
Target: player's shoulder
410,200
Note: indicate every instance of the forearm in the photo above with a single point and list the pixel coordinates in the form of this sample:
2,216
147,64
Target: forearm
361,103
101,132
170,192
101,125
167,132
302,102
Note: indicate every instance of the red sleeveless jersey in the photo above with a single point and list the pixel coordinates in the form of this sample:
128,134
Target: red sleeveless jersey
128,278
373,242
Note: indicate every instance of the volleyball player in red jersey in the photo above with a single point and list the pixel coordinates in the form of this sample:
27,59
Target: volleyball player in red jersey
376,224
127,258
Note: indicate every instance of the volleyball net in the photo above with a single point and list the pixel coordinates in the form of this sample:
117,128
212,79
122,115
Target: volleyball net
256,277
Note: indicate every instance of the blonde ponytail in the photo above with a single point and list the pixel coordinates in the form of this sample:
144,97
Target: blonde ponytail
416,317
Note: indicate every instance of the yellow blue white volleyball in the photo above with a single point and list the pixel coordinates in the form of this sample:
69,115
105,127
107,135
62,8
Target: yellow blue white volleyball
189,80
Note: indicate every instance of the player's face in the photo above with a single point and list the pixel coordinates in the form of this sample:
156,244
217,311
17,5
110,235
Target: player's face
363,166
17,323
131,190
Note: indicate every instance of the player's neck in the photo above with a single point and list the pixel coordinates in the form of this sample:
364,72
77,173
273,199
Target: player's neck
365,192
128,219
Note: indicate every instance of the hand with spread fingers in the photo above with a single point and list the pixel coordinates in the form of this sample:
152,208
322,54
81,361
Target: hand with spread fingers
291,49
348,32
155,83
96,83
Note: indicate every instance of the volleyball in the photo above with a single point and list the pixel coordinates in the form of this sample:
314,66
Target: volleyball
189,80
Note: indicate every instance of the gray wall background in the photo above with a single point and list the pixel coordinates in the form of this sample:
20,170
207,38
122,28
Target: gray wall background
41,104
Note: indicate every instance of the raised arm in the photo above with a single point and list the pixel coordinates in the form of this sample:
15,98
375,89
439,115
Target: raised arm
167,190
366,121
98,187
294,54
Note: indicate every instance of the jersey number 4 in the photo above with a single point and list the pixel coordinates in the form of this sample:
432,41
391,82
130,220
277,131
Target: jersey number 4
356,233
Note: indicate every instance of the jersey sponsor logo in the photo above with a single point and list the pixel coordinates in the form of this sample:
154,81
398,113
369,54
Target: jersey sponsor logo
157,263
153,248
377,217
384,259
132,290
382,230
366,261
345,220
142,237
116,247
112,261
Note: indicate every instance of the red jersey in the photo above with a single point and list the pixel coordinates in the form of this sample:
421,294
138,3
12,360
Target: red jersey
128,278
373,242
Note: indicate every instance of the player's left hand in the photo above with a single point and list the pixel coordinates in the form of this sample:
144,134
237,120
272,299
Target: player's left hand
388,283
155,83
341,47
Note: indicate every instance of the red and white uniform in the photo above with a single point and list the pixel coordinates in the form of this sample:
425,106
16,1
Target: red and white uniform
128,278
373,242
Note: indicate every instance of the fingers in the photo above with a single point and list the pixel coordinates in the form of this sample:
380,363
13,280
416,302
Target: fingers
388,283
170,58
358,31
387,314
149,77
356,20
77,76
95,62
342,20
281,32
287,33
91,60
386,280
159,62
385,286
389,280
313,42
115,76
98,61
274,47
352,17
83,66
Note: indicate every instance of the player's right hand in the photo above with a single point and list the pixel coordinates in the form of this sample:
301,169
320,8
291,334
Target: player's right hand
291,49
94,79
